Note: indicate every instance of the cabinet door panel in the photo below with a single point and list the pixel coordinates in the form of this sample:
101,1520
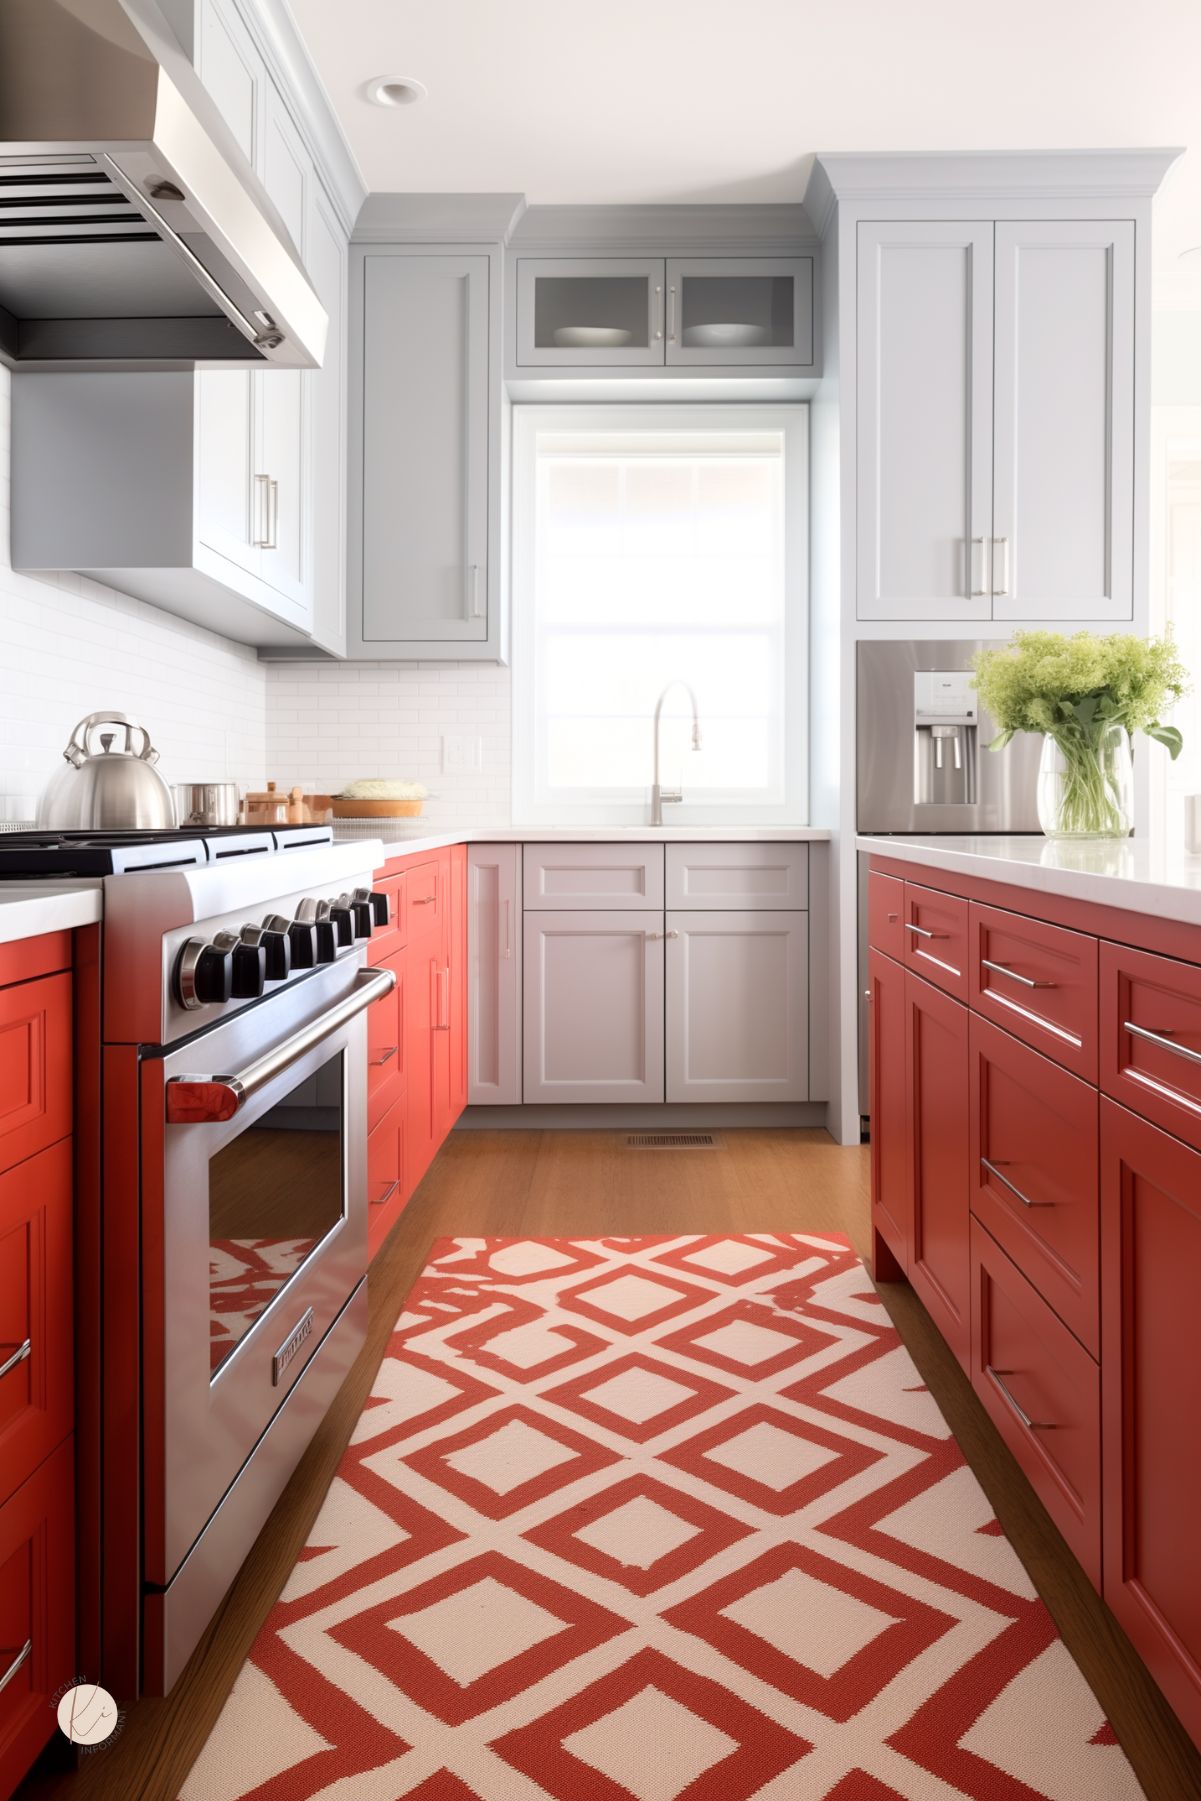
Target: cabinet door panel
737,877
1039,981
559,302
1063,495
1151,1396
594,877
36,1089
740,310
233,72
425,449
36,1289
420,965
924,419
325,256
227,520
737,1006
935,931
937,1072
1151,1037
892,1198
593,1007
494,1013
37,1608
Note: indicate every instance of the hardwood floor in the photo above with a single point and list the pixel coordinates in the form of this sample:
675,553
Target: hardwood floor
587,1184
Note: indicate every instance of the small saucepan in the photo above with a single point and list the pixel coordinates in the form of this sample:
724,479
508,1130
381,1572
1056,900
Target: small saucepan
206,803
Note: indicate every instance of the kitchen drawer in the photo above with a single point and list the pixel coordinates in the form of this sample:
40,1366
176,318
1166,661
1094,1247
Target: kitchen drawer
425,898
26,958
37,1609
35,1066
1039,982
386,1189
1034,1172
592,877
737,877
36,1289
1043,1393
1151,1037
387,940
935,926
385,1047
885,915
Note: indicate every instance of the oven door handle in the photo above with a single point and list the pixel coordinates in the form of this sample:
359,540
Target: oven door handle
199,1100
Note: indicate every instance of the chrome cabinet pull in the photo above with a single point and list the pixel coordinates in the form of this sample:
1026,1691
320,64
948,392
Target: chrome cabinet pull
507,943
475,609
976,584
19,1355
1030,1425
207,1100
671,314
378,1062
994,1170
1003,969
423,900
921,931
659,935
381,1200
1165,1044
15,1665
1001,588
272,542
659,309
262,492
443,1024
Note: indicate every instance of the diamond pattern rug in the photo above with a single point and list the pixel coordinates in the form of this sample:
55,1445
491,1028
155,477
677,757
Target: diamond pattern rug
656,1519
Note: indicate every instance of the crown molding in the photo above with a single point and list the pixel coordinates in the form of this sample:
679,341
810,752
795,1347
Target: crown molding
652,230
438,218
987,175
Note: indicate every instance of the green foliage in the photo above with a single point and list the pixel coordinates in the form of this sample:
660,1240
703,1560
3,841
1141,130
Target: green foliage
1076,689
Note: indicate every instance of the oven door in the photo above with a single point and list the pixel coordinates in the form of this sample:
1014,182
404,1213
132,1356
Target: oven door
255,1238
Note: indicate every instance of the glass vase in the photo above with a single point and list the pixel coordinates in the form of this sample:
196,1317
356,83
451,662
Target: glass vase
1086,788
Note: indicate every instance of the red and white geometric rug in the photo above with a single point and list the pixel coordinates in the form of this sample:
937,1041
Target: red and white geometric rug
656,1519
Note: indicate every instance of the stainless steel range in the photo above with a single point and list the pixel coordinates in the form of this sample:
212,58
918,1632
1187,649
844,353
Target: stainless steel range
233,1198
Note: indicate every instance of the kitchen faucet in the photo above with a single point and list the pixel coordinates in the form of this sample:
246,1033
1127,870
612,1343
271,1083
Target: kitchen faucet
660,794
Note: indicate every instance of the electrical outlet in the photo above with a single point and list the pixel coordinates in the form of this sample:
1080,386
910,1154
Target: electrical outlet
461,752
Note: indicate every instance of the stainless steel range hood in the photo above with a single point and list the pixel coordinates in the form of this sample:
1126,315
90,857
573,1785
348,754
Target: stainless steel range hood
133,232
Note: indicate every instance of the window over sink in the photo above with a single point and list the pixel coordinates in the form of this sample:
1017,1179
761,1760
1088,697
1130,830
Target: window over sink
655,545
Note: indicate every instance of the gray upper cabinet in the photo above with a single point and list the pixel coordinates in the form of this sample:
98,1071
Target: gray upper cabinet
638,314
327,429
424,473
740,310
995,420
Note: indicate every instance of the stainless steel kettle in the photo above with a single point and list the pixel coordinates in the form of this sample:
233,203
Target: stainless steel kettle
107,789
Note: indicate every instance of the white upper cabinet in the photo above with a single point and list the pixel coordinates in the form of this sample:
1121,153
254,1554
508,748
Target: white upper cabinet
995,420
1063,467
326,257
924,372
233,72
425,448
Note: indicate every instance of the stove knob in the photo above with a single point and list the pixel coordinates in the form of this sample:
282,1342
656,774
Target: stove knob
361,914
279,954
343,922
203,975
302,938
249,971
377,901
327,941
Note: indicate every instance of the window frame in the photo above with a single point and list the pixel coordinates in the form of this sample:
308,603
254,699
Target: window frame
792,420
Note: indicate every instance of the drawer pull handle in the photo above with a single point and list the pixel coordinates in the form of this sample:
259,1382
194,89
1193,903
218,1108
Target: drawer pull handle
384,1057
381,1200
1164,1043
424,900
999,1173
19,1355
1030,1425
921,931
15,1665
1003,969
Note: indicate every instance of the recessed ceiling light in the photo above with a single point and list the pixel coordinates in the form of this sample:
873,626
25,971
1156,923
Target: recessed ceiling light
395,90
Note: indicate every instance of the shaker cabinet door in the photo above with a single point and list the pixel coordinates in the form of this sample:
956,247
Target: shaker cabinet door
892,1198
593,1005
422,452
924,419
1063,493
494,956
937,1087
737,1006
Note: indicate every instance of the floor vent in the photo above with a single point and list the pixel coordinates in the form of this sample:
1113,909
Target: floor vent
672,1141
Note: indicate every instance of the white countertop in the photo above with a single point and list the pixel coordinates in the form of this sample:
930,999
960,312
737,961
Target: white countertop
428,834
27,909
1143,875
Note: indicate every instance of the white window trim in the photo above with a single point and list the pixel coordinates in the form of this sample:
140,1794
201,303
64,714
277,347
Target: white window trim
793,420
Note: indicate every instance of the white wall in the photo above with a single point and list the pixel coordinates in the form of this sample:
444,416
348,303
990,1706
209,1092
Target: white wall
333,723
69,646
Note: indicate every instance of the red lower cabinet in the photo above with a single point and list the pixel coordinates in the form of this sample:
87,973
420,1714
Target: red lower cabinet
387,1189
892,1202
1042,1390
37,1609
1151,1390
936,1058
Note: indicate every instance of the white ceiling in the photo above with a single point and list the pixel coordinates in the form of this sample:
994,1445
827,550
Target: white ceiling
704,100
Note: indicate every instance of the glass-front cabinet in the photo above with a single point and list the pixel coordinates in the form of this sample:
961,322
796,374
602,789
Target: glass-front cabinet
706,311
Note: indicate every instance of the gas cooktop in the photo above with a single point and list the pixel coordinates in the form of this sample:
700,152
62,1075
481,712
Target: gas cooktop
46,853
